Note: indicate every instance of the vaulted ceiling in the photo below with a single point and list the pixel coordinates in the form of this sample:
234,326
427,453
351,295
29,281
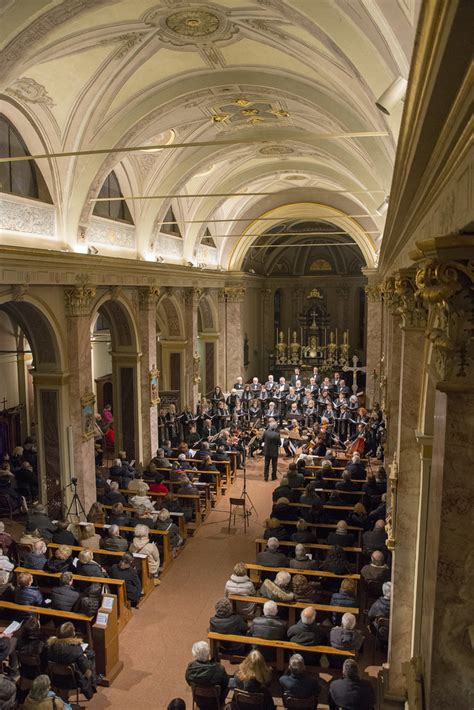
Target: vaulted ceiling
280,82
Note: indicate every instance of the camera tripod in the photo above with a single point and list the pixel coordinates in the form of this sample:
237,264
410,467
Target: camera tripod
75,506
245,496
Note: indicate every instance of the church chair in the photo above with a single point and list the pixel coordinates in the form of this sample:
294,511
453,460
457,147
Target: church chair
291,703
244,700
64,680
207,694
236,503
29,667
382,627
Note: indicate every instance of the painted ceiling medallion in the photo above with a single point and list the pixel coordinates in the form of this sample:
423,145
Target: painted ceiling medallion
193,23
276,150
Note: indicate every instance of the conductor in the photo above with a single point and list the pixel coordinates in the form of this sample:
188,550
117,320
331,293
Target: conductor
271,445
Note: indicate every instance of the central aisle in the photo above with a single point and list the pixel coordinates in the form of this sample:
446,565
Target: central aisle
156,644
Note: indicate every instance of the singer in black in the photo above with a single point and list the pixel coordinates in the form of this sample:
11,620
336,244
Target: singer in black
271,441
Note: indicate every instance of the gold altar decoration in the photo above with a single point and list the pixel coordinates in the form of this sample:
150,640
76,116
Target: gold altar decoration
315,293
154,386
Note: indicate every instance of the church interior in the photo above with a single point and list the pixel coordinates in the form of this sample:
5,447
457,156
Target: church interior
179,319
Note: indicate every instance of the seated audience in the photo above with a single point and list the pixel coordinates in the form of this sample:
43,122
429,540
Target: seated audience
303,590
66,649
283,490
114,495
278,590
118,515
381,606
88,567
7,542
6,568
28,538
7,693
336,561
346,596
380,512
64,597
341,536
135,483
38,519
297,682
164,522
356,467
310,496
302,560
31,641
62,535
125,569
25,592
113,540
303,534
358,517
160,460
282,510
254,676
274,528
36,559
89,537
96,513
157,486
42,697
205,673
295,479
225,621
306,631
346,637
142,544
241,585
377,570
61,560
374,539
350,692
271,557
346,483
269,626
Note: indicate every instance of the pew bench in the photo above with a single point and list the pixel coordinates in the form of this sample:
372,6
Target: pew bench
294,607
82,621
117,587
326,526
204,489
279,646
261,544
195,502
177,518
306,572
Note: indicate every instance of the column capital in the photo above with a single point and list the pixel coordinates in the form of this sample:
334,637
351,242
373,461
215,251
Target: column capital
446,286
77,300
231,294
390,298
266,293
410,304
148,297
193,295
374,293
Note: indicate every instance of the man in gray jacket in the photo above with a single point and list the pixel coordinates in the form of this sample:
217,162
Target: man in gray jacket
271,557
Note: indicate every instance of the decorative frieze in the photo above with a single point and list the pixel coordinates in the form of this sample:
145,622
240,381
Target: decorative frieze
21,215
111,233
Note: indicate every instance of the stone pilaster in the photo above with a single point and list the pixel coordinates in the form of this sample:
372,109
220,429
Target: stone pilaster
78,304
267,331
374,341
192,296
446,283
405,516
392,364
222,341
147,303
232,299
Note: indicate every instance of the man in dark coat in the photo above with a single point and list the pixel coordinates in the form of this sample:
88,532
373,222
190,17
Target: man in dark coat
306,631
66,649
202,672
269,626
65,596
271,446
39,520
271,557
341,536
375,539
297,682
350,692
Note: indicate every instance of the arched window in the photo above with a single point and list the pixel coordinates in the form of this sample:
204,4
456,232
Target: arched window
172,226
207,240
21,178
117,210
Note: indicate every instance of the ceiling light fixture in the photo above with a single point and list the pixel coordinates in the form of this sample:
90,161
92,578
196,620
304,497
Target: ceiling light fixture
382,208
92,250
391,96
159,259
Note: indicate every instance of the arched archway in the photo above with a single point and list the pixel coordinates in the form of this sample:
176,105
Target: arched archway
120,374
38,391
207,343
171,346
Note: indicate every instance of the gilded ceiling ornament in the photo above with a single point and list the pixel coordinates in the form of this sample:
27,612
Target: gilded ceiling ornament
249,111
220,117
192,25
29,90
281,113
242,102
276,150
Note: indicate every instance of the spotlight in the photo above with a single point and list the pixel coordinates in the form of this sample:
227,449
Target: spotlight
382,209
159,259
92,250
190,263
391,96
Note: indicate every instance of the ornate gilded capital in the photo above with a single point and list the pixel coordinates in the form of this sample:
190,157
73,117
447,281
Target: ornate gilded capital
231,294
77,300
374,293
192,296
148,297
447,287
410,304
19,291
390,298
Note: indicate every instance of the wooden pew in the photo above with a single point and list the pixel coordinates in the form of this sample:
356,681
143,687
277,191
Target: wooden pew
117,588
293,607
228,464
306,572
327,526
85,622
163,536
195,500
261,543
328,491
178,518
204,488
140,560
218,486
279,646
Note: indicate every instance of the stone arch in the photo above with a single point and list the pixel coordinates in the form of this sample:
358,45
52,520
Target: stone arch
170,317
207,315
124,329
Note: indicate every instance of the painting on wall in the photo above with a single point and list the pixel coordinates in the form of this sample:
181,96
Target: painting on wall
154,386
88,415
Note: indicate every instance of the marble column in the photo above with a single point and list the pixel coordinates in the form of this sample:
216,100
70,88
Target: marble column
234,297
374,341
405,522
392,363
22,359
147,301
446,284
267,331
78,303
192,378
222,341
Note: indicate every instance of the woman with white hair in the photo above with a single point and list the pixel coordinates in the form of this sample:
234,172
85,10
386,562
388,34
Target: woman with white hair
297,682
165,523
141,498
346,637
205,673
279,590
142,544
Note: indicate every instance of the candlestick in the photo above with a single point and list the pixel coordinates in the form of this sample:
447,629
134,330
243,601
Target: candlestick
336,336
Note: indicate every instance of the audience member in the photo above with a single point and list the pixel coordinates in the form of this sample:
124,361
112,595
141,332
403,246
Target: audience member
374,539
346,637
274,528
278,590
381,606
269,626
113,541
66,649
377,570
25,592
225,621
39,520
114,496
62,535
241,585
42,697
203,672
7,542
271,557
341,536
303,590
118,515
89,538
142,544
306,631
36,559
350,692
254,676
61,560
64,597
165,523
303,534
96,513
297,682
302,560
125,569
